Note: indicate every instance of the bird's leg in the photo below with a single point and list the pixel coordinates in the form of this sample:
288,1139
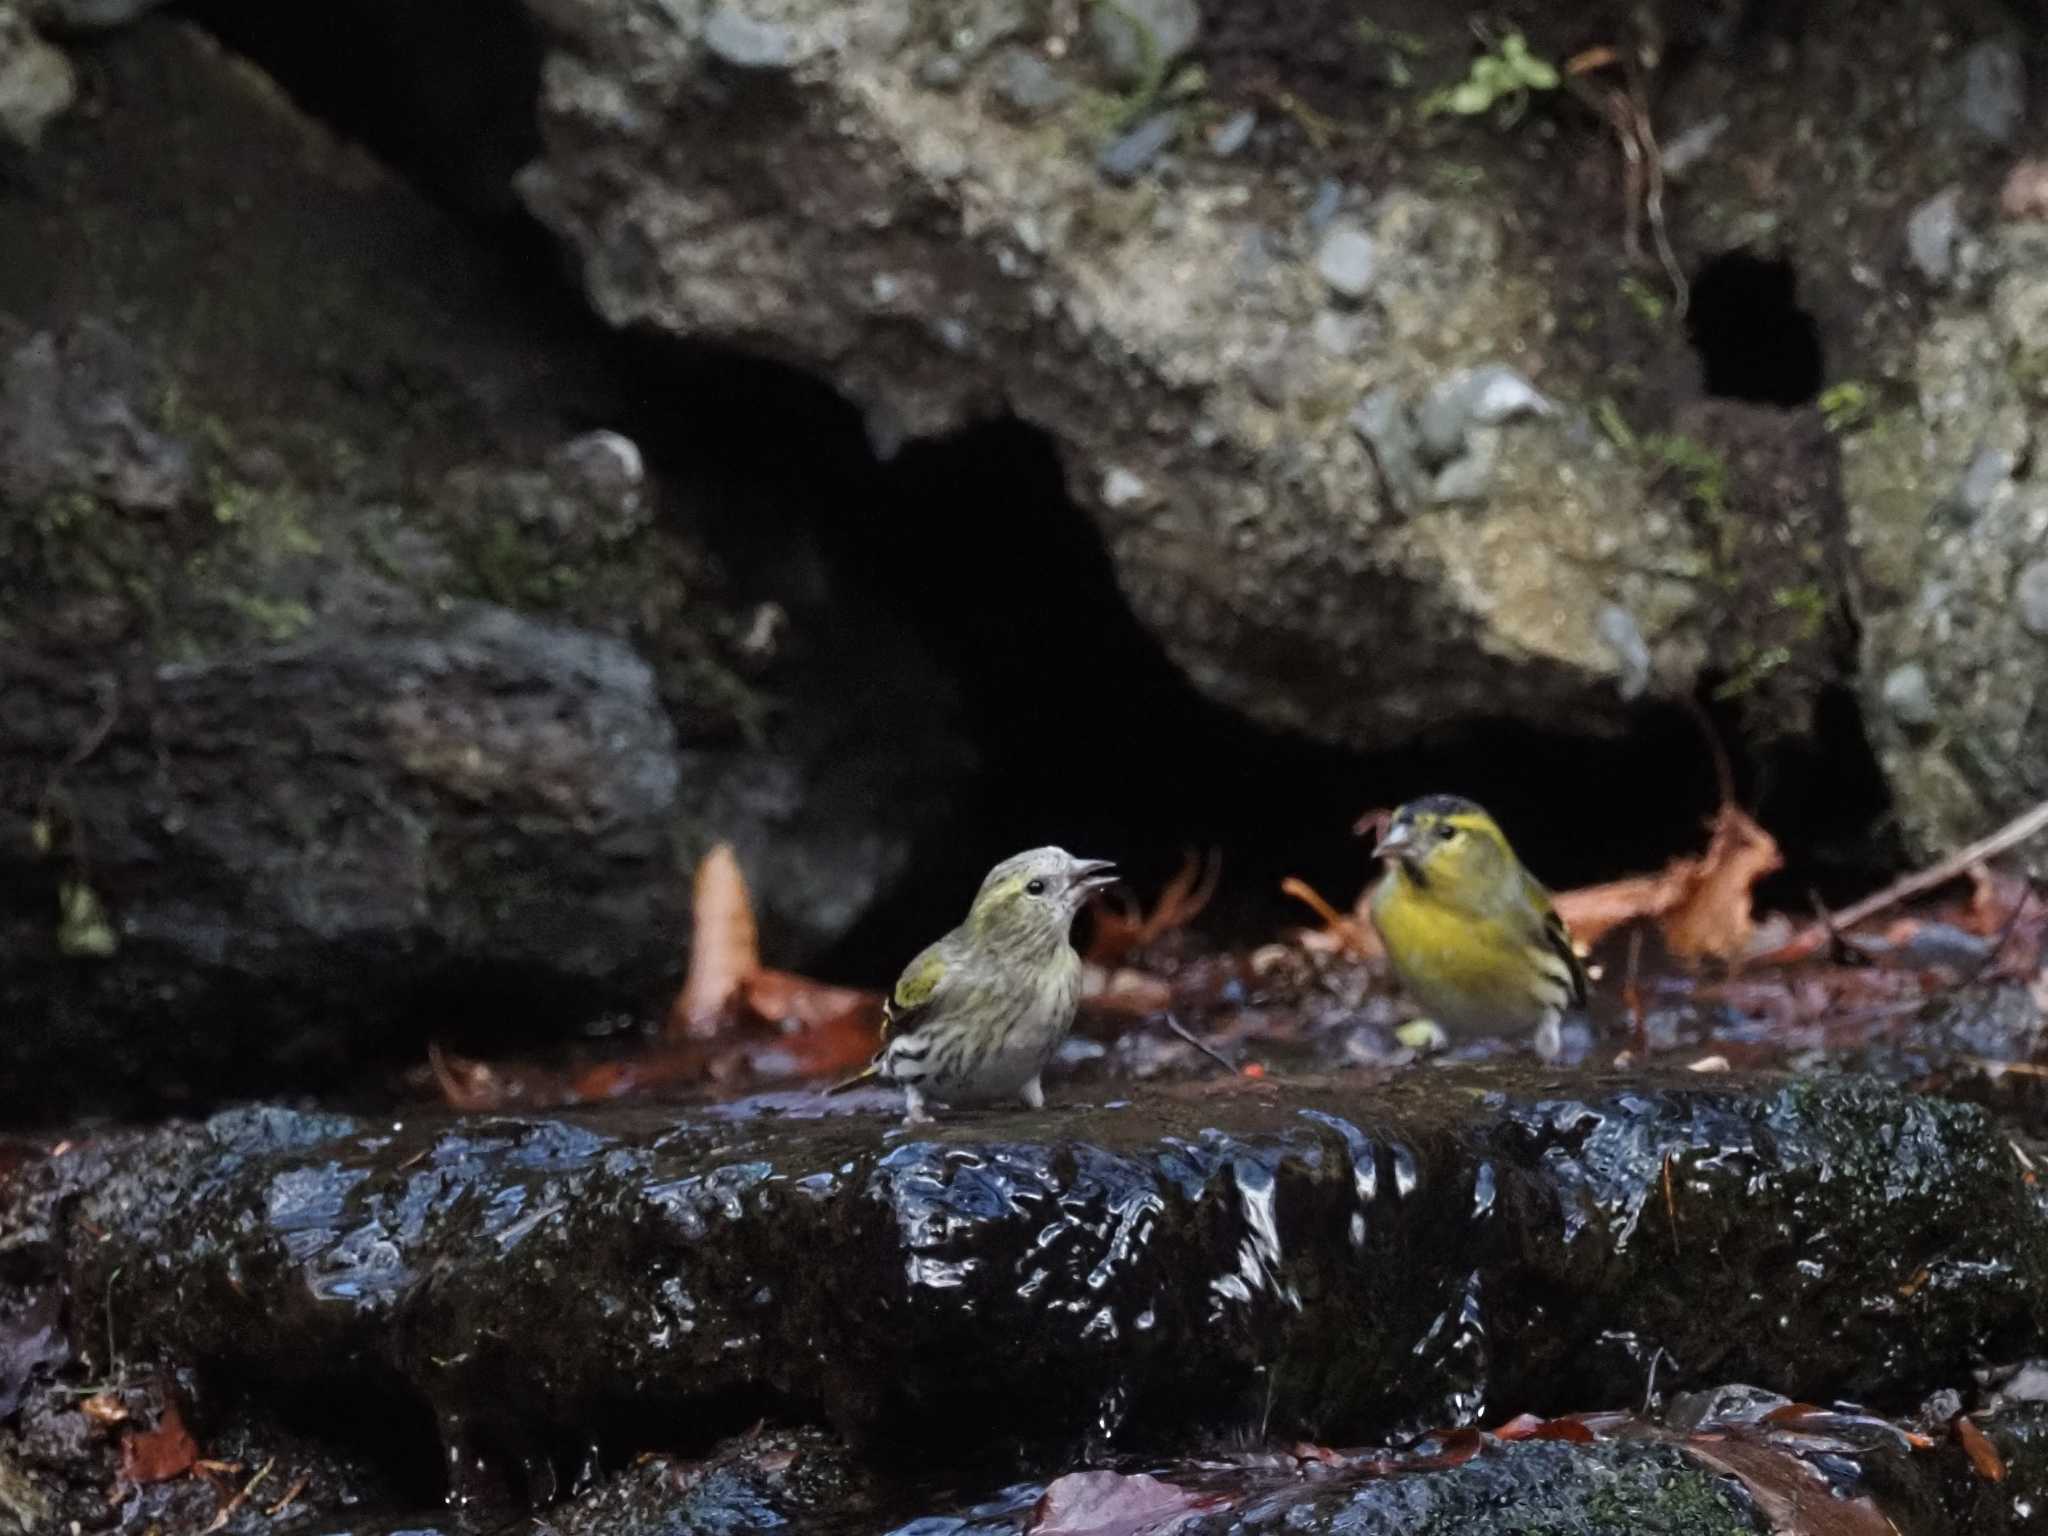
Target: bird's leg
1033,1093
1549,1037
913,1104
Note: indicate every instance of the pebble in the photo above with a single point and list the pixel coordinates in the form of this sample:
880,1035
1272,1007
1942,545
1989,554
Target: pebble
1337,334
1329,198
1232,134
1484,397
1025,84
1909,696
2031,598
1381,422
941,71
37,82
1346,260
1123,488
1931,234
1126,159
1994,90
1139,39
745,43
1693,145
1469,476
1988,470
1618,629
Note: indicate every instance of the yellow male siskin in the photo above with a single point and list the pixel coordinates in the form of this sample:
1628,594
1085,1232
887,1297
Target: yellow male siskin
1471,933
976,1016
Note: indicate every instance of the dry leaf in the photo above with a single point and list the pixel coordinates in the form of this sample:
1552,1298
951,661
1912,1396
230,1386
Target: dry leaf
1119,933
1124,993
1792,1494
725,947
1702,905
785,998
1977,1446
160,1454
1113,1504
105,1409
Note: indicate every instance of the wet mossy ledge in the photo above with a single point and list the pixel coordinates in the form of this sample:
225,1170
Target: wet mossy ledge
1303,1258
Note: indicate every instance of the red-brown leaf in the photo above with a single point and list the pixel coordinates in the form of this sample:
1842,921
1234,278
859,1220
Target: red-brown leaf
160,1454
1113,1504
725,946
1977,1446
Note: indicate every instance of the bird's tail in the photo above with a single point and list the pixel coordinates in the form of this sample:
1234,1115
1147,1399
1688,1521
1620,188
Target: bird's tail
872,1069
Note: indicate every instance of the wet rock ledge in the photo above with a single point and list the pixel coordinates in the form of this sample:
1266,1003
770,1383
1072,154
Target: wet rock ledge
1312,1258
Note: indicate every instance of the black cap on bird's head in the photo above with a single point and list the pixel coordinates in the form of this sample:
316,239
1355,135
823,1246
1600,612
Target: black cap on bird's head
1421,824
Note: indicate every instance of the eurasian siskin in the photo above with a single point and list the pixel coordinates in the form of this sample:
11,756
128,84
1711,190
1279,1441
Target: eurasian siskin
976,1016
1471,934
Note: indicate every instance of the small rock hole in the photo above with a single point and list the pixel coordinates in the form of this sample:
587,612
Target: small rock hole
1754,340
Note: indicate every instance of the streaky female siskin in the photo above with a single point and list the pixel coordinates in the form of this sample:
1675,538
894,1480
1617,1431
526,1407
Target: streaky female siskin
976,1016
1472,935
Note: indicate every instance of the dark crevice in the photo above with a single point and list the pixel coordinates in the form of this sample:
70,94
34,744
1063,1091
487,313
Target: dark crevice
1086,733
1754,341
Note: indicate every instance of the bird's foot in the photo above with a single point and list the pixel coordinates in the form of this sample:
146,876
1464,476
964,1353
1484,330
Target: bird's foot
1033,1094
914,1111
1549,1041
1422,1036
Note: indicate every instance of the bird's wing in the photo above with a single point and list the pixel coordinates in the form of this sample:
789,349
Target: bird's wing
1556,940
922,983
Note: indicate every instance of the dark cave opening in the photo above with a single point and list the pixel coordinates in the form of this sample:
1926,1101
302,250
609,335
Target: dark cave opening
1086,733
1754,341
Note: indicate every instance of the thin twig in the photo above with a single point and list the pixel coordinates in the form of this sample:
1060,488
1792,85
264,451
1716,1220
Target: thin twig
1175,1025
1653,194
1982,967
1632,993
1839,949
227,1510
2016,831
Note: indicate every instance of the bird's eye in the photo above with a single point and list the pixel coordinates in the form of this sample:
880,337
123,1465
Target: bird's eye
1446,832
1035,888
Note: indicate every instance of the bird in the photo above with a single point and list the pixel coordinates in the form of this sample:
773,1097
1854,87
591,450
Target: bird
975,1017
1472,935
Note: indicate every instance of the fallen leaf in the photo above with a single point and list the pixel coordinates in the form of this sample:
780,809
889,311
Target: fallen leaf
1593,911
1454,1448
470,1086
1702,905
725,946
782,997
160,1454
105,1409
1354,935
1794,1496
1977,1446
1120,933
1114,1504
1124,993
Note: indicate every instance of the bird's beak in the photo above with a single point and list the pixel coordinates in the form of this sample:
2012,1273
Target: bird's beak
1093,874
1397,844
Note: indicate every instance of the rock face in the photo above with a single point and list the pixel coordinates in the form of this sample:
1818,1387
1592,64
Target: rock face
1307,1259
1951,513
1348,1262
1341,455
351,685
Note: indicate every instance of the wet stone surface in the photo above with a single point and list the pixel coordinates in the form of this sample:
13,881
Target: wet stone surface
1319,1260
